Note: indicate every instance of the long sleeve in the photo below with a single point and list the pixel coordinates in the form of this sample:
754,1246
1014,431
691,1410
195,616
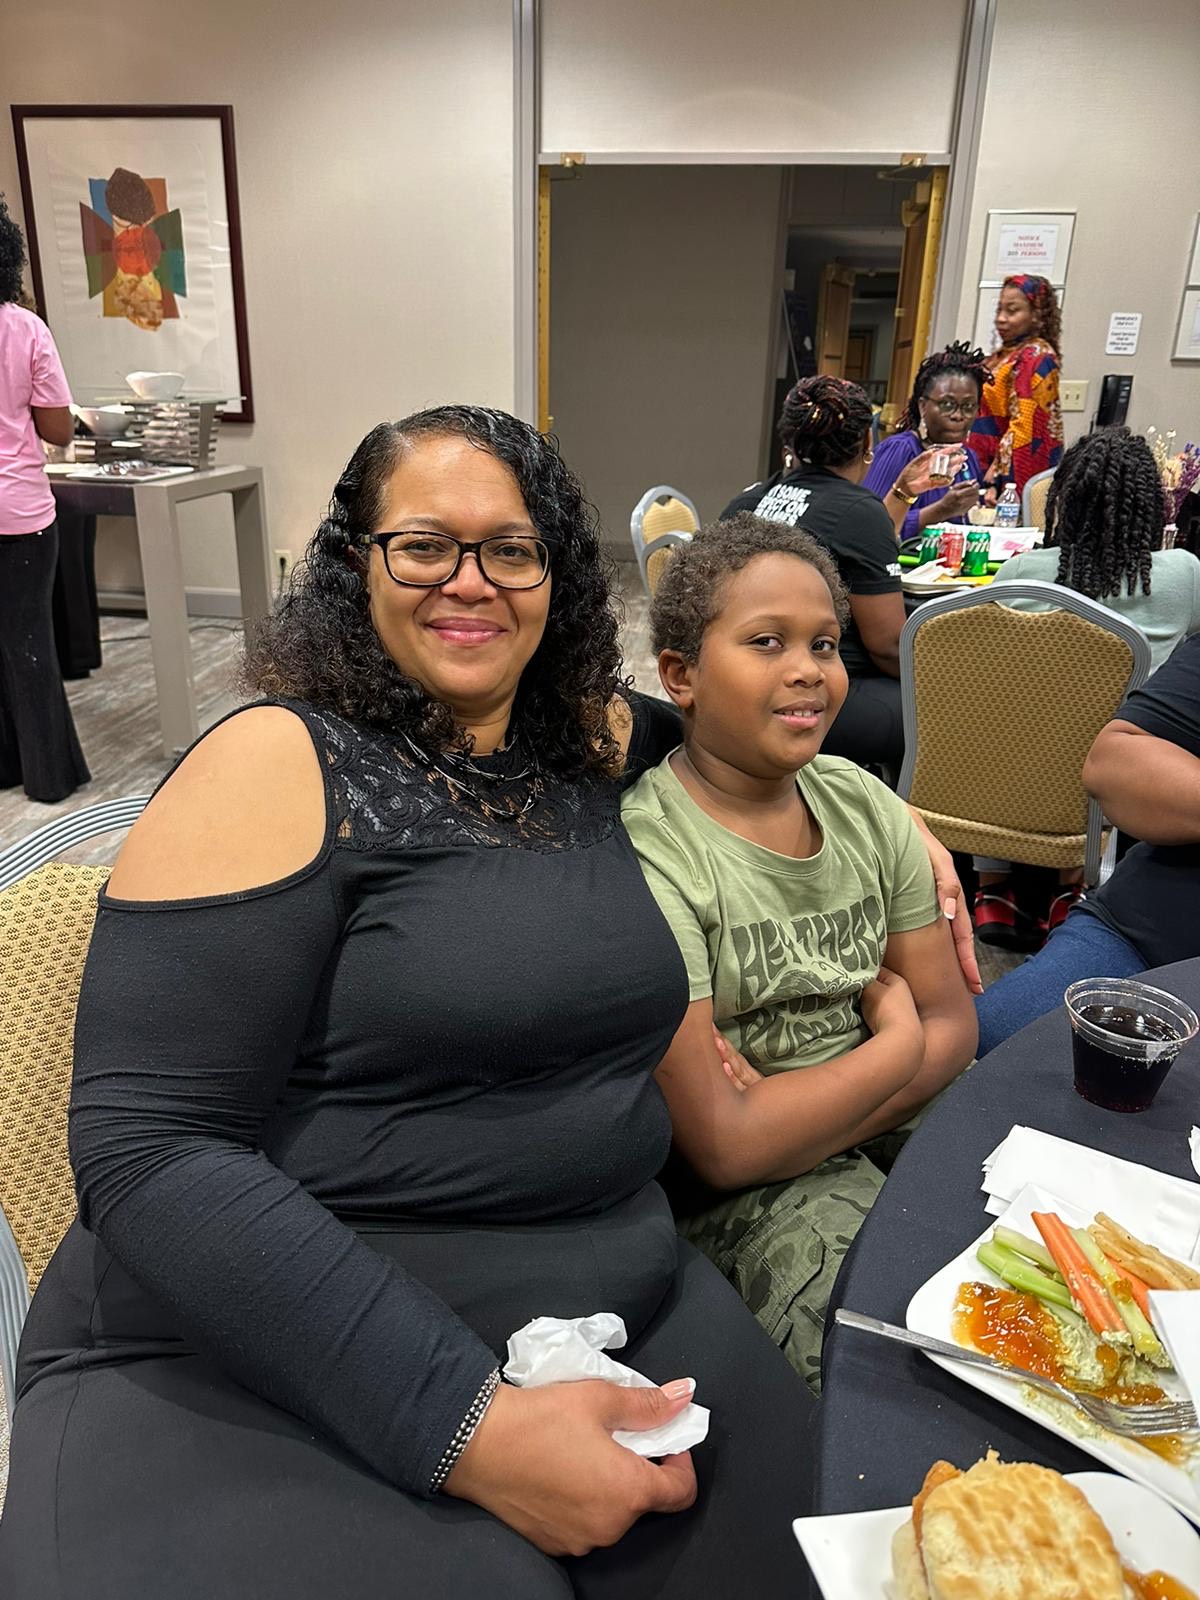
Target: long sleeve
190,1021
1032,442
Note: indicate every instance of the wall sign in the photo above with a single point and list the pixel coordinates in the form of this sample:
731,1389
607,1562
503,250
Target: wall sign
1124,330
1027,241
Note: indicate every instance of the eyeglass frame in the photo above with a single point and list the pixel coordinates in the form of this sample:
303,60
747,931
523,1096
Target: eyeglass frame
956,408
465,548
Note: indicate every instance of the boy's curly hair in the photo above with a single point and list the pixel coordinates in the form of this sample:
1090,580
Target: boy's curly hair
690,593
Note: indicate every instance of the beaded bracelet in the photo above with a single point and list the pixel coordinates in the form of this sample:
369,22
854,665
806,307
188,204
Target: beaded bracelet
465,1431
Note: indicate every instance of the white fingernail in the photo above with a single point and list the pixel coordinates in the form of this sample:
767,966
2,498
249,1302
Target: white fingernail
950,910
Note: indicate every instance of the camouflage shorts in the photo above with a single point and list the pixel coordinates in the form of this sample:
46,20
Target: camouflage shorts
781,1245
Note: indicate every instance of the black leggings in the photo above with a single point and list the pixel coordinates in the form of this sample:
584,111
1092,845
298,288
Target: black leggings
159,1476
38,744
869,728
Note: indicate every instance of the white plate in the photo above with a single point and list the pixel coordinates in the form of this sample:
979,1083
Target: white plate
931,1311
851,1556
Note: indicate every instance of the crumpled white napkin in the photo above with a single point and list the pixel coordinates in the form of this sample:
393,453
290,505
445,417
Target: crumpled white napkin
1152,1204
563,1349
1194,1147
1176,1314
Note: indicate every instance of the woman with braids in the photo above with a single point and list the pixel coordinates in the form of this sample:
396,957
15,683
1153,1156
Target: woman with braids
38,744
364,1082
941,410
1104,529
825,430
1018,432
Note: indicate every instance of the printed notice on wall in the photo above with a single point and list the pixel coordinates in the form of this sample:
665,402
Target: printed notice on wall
1124,327
1026,247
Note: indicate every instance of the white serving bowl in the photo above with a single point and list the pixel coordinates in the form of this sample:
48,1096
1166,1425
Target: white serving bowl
105,422
155,385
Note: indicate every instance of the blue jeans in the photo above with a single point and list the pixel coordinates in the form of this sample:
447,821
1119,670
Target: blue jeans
1083,947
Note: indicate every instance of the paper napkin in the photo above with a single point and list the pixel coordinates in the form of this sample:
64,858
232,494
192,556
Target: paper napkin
1176,1314
1194,1147
563,1349
1155,1206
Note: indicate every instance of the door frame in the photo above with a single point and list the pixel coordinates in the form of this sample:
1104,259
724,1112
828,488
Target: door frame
531,200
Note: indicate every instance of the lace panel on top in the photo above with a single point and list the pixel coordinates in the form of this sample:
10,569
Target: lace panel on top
386,794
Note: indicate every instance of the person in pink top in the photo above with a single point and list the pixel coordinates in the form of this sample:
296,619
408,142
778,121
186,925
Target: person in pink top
38,744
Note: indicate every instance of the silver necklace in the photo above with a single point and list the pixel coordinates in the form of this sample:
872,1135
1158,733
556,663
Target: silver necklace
438,763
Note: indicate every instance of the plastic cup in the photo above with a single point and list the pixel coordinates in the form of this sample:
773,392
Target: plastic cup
941,469
1125,1036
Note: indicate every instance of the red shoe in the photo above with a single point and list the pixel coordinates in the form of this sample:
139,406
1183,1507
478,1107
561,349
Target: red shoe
1060,906
1000,921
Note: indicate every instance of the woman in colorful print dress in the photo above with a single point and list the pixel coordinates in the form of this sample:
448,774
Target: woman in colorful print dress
1018,431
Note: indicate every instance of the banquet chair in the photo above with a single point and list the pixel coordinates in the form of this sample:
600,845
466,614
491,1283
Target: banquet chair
1000,709
662,518
47,909
1033,499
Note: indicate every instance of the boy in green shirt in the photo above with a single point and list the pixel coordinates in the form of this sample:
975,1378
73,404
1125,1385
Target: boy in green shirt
827,1006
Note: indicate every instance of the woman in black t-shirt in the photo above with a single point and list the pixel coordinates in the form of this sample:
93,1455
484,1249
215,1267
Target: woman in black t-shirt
825,430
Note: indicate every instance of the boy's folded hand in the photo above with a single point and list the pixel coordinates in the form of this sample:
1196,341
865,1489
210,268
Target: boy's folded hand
888,1003
736,1068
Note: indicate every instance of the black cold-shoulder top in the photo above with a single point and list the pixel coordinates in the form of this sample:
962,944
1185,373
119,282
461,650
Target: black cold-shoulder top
453,1012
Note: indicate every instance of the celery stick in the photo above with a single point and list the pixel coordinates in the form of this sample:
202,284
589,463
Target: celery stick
1031,1249
1145,1341
1019,1274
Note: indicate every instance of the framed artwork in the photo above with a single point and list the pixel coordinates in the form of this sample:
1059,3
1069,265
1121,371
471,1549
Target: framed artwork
1027,241
134,237
1187,334
985,314
1194,266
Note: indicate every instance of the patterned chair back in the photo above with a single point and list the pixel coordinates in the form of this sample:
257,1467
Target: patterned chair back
1001,707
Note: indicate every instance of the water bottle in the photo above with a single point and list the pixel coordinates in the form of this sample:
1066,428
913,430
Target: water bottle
1008,508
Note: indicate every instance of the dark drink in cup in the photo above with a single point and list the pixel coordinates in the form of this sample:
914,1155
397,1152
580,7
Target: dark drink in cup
1125,1036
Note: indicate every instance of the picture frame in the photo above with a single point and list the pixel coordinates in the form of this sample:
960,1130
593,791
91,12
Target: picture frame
133,230
1187,330
1193,277
1037,242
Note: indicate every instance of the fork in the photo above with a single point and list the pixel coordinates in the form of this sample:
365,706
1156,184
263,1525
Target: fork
1132,1422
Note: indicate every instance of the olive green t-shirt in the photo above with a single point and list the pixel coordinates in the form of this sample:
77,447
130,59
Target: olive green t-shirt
785,947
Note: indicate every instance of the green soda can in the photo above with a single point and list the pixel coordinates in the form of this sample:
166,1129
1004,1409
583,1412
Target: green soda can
975,556
929,544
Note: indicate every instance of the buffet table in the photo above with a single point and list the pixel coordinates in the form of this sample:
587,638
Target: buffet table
154,503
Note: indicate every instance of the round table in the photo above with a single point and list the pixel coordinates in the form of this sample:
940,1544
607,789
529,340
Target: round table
887,1413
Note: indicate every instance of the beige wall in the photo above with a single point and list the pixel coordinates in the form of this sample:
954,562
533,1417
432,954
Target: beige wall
759,75
1094,106
661,327
374,147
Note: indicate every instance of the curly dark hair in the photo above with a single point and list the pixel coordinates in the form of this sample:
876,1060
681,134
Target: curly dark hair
1104,514
12,256
824,421
691,589
1047,316
957,360
320,646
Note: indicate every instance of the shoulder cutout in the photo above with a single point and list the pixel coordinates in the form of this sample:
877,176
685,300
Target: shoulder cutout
620,721
244,809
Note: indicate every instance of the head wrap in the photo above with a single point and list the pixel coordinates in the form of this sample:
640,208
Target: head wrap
1034,289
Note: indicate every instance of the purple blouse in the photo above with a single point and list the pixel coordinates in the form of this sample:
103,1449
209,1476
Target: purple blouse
892,455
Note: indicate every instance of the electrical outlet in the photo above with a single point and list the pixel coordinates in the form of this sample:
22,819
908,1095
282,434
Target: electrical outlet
283,567
1072,394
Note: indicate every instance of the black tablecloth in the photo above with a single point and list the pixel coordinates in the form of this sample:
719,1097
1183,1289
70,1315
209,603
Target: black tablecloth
888,1413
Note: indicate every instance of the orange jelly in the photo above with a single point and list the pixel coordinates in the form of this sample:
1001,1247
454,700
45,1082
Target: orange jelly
1156,1586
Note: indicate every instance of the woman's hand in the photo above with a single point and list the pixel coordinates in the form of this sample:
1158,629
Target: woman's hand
914,478
956,502
952,901
888,1003
544,1461
737,1069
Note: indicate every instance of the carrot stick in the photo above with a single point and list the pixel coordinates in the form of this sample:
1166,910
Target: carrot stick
1087,1291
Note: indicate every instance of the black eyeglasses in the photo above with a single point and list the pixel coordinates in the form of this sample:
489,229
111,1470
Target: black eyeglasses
956,408
427,560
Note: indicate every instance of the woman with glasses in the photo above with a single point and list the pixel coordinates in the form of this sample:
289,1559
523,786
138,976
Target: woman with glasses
363,1084
941,411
